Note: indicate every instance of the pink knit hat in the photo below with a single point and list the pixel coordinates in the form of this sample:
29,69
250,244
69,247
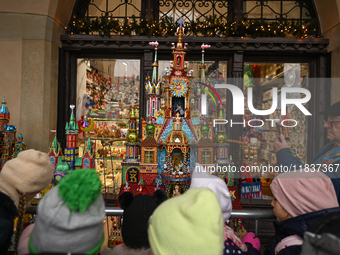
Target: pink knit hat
23,240
304,192
201,178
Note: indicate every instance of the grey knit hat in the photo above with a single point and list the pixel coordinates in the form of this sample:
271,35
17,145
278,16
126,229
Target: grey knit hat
70,216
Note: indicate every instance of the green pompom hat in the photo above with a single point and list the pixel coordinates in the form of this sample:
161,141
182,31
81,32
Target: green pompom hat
71,216
80,189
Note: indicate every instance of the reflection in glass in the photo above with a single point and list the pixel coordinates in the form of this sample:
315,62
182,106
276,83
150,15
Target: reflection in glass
107,87
267,79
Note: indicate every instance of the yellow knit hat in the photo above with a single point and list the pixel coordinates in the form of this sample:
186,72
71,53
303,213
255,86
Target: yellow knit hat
188,224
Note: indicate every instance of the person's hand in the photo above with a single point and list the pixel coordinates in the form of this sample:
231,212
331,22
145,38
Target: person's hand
251,241
280,144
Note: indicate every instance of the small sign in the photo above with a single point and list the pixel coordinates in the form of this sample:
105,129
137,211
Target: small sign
253,141
251,190
132,175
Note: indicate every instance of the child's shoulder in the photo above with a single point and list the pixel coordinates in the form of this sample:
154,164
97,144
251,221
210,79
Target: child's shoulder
230,235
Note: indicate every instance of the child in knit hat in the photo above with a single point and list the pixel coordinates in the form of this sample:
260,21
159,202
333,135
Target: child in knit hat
203,179
300,198
21,179
70,216
188,224
137,211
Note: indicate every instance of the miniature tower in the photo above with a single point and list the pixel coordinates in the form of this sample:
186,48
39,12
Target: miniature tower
4,116
149,155
205,148
131,163
177,92
222,153
9,143
88,159
4,119
71,150
153,88
132,145
54,150
20,145
201,92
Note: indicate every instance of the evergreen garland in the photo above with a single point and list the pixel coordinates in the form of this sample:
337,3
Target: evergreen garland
211,27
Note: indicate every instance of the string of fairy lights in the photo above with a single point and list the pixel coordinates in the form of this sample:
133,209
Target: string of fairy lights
211,27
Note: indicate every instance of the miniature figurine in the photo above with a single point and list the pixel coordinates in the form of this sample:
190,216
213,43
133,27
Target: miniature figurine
179,110
176,192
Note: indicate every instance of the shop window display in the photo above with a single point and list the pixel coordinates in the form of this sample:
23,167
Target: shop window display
259,134
107,89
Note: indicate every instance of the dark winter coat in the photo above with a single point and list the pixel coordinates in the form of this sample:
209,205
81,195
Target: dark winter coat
230,249
285,158
323,237
121,249
294,226
8,212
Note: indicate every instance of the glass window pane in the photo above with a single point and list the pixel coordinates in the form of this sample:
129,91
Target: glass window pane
106,89
193,10
104,86
115,9
265,79
276,10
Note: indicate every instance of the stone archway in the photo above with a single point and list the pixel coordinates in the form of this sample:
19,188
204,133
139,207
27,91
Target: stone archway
328,14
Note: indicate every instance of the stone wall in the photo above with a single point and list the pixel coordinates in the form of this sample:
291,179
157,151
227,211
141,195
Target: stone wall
29,48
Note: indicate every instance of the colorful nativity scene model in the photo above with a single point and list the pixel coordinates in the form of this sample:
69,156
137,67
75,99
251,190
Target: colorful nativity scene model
175,135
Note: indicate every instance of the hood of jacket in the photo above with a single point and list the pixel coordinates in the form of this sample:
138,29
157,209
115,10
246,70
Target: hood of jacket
298,225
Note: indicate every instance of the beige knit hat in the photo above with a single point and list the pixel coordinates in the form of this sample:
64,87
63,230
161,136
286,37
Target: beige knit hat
30,172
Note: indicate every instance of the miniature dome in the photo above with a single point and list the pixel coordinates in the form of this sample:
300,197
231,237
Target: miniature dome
150,127
132,137
132,113
204,131
3,109
204,128
62,167
221,138
150,130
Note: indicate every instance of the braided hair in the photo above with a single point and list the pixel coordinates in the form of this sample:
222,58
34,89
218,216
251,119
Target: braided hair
21,210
